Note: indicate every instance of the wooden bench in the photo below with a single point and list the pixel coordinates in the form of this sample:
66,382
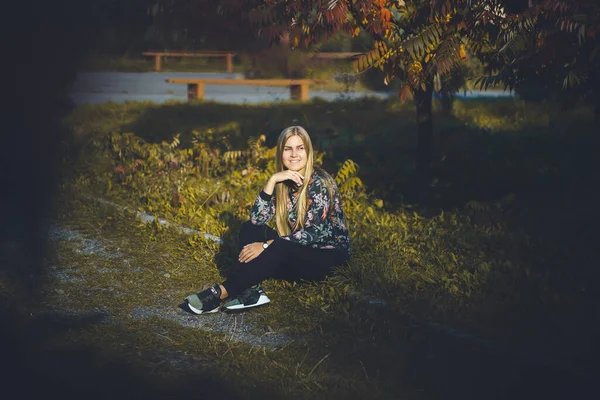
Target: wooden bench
159,55
298,87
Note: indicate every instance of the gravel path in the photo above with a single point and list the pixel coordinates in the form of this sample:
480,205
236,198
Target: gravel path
240,327
237,327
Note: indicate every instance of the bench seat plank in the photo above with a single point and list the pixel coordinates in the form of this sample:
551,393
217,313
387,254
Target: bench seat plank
256,82
298,87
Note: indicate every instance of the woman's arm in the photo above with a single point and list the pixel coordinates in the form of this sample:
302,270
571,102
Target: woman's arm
263,209
269,187
281,176
264,206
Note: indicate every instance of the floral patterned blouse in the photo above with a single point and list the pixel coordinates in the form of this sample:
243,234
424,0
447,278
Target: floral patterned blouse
325,224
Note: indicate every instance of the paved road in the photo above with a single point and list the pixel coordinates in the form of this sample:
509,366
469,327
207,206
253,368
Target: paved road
100,87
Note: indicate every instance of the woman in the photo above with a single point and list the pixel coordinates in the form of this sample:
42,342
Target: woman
311,237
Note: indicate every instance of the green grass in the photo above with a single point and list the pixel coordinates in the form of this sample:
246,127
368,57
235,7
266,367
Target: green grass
500,244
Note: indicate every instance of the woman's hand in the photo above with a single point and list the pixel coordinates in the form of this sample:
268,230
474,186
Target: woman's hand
250,252
288,175
294,176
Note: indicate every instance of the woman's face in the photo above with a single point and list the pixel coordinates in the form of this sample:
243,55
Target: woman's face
294,154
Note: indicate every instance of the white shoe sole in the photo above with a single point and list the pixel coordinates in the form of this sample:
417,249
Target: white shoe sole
263,299
196,311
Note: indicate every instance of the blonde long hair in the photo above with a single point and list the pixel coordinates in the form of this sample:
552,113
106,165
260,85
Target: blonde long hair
281,191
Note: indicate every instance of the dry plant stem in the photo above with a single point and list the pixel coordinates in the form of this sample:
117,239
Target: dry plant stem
168,338
364,369
315,367
209,196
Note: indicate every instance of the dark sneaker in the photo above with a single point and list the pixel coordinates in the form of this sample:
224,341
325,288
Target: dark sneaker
251,297
207,301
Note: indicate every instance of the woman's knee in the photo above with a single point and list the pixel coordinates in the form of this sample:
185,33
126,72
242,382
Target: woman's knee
246,227
245,233
250,233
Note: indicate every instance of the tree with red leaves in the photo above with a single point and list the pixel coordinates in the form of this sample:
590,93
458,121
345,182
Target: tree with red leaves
420,43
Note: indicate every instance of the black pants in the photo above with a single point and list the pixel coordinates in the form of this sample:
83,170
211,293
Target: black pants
281,260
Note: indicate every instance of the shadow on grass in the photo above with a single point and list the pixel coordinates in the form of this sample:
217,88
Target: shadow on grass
37,367
394,349
226,257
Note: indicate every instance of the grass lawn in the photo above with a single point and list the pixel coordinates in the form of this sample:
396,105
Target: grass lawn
481,286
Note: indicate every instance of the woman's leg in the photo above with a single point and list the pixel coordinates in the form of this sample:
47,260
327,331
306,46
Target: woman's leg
307,263
281,260
250,233
284,260
208,300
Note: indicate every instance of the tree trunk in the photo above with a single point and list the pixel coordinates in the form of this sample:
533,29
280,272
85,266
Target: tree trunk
447,100
423,101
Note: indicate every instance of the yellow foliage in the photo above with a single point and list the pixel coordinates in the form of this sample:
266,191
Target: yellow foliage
462,51
416,67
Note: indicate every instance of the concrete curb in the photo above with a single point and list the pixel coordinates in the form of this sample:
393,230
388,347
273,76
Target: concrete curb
147,218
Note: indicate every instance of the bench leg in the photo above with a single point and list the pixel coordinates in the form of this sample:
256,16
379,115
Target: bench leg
195,91
157,63
229,62
299,92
